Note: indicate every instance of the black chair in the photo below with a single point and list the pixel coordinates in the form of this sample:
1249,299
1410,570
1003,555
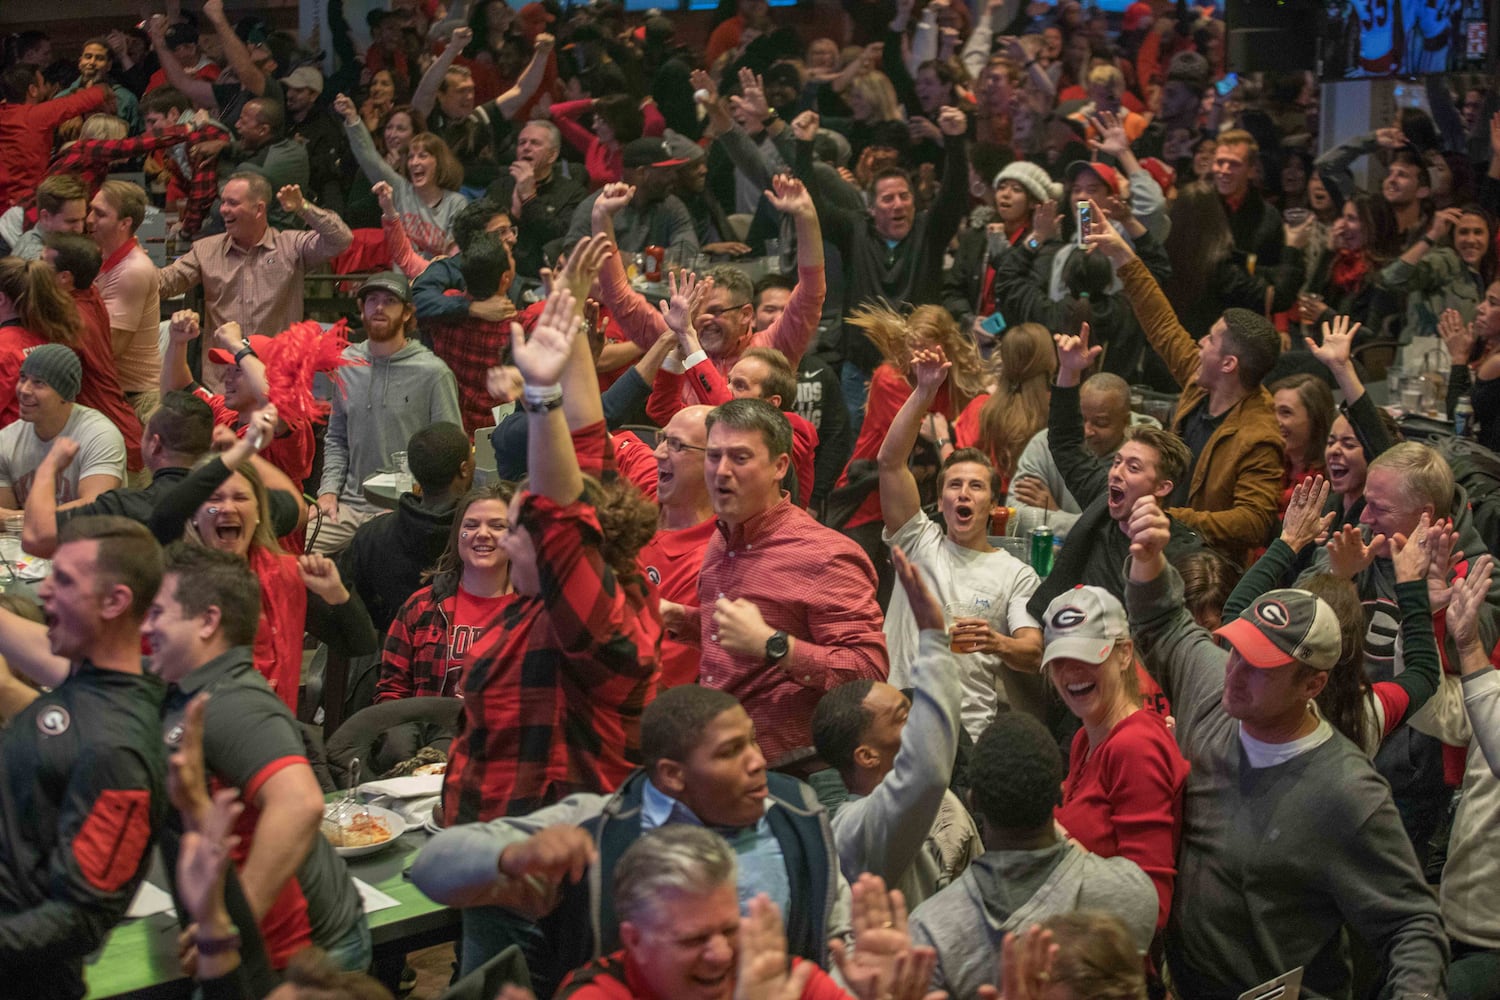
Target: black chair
384,735
486,982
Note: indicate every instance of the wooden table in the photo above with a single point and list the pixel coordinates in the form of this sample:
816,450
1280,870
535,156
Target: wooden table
139,958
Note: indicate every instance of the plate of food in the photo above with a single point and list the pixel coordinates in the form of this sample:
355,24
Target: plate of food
361,830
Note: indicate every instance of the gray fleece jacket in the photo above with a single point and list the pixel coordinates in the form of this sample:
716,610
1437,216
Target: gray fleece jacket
385,401
891,832
1008,891
1278,863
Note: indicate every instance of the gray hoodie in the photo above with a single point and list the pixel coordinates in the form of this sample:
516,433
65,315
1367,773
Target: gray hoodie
385,401
1008,891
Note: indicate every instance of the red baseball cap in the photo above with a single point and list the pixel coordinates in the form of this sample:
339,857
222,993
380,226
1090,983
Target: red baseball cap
1109,175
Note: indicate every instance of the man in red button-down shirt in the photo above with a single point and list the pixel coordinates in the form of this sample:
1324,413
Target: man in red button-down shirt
786,606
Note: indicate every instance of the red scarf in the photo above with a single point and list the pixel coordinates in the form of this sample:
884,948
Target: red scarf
1349,270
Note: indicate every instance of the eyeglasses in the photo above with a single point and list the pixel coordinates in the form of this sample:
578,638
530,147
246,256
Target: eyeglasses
677,446
714,312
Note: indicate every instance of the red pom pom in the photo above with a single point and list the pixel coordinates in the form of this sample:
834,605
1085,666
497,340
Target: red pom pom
293,358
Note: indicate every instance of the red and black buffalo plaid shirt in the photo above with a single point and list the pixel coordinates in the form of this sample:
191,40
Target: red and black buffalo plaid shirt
91,160
553,691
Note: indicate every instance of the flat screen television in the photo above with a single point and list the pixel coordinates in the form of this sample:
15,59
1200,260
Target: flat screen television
1370,39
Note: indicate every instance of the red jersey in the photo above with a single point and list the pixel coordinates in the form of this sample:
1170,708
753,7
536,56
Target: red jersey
672,560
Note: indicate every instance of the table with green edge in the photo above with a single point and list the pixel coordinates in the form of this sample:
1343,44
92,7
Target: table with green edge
139,958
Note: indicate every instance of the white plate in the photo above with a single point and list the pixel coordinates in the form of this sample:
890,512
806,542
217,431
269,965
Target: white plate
392,820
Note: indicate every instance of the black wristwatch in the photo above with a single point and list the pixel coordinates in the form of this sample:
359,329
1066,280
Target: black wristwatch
776,648
245,349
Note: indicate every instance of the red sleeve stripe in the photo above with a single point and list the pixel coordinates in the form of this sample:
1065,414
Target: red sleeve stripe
253,786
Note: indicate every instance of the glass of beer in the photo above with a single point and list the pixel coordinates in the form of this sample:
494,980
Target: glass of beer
966,622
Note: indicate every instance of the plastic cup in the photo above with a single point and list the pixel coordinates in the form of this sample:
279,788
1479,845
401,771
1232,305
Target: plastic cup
963,612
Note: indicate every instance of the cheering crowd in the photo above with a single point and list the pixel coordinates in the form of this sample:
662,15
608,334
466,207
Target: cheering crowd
903,497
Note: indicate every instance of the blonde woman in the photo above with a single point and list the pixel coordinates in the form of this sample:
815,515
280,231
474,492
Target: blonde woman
999,423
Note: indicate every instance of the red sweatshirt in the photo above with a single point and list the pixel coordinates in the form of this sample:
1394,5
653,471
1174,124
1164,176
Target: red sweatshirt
1125,799
26,137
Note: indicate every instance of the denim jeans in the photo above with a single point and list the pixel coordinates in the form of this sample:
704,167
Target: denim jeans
489,930
353,952
856,386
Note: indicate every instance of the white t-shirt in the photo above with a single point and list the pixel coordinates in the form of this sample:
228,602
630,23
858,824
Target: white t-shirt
101,452
996,580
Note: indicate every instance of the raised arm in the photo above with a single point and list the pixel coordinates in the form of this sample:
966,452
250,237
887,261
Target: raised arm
1167,336
252,78
1085,476
200,92
531,78
175,372
425,95
362,145
900,499
39,526
542,359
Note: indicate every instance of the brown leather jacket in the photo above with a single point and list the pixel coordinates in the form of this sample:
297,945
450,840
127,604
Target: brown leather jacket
1237,480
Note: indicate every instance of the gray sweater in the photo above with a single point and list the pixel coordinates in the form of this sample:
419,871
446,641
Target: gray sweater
1008,891
890,831
1275,862
385,401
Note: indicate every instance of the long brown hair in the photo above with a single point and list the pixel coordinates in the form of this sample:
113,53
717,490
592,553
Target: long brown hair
1017,409
41,306
1200,240
1342,701
896,336
449,569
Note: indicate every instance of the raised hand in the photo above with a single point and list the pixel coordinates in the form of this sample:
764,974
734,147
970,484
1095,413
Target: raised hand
291,198
789,196
1457,335
1103,238
386,197
1469,595
701,81
183,327
613,197
1443,222
1442,550
503,383
752,99
763,971
681,306
203,856
345,108
881,935
1112,138
1025,966
805,126
187,781
1074,354
930,365
582,269
229,336
261,428
542,356
1390,137
927,610
1305,521
1149,529
1338,342
1495,133
460,38
1412,555
321,577
1349,554
1046,222
952,121
543,43
921,129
